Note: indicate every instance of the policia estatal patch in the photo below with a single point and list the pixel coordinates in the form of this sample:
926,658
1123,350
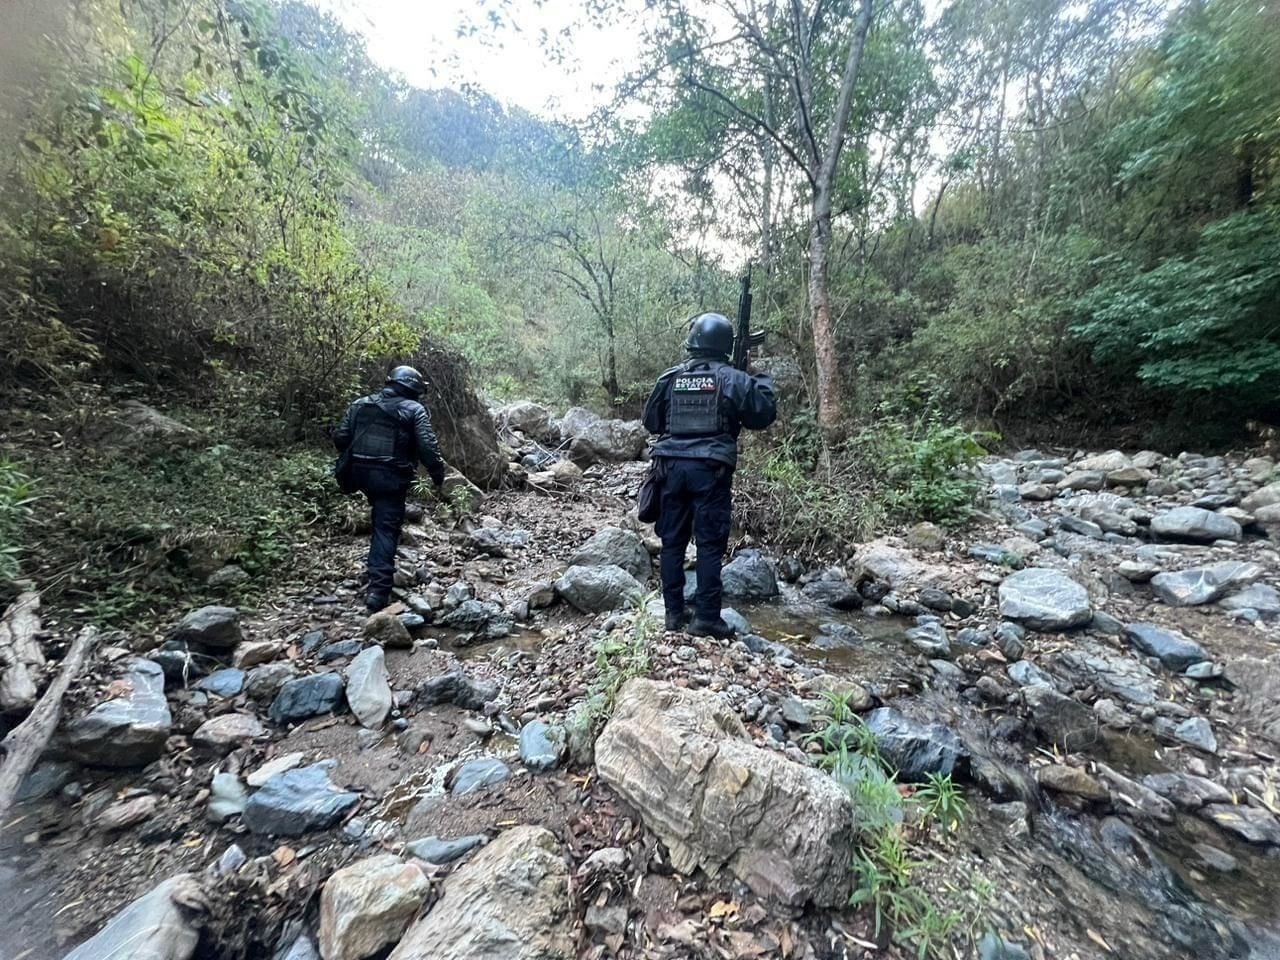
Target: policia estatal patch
695,404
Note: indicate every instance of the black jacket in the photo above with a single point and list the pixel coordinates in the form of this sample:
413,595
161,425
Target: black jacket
746,401
398,437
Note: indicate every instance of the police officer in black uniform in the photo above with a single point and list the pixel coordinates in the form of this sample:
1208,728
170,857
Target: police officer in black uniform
388,434
698,409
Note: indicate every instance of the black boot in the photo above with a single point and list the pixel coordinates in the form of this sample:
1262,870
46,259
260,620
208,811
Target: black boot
376,601
711,628
677,621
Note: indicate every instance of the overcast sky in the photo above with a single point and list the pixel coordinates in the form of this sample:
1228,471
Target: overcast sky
420,40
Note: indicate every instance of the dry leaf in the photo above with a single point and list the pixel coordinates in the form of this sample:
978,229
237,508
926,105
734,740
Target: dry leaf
193,841
723,908
284,855
785,944
1097,938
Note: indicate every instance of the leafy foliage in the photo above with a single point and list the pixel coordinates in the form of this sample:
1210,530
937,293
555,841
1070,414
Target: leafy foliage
17,494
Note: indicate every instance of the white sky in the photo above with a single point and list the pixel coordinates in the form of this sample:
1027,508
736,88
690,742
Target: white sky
421,41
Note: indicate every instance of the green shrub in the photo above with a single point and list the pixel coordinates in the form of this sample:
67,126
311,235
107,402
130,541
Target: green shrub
17,494
930,476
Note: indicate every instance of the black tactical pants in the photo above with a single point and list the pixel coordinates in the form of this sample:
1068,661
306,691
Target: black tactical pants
697,503
387,491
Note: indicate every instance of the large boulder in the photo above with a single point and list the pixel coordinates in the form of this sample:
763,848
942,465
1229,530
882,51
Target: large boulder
598,589
749,577
913,748
128,730
617,547
593,440
211,628
683,760
163,924
369,687
531,419
510,902
1044,599
1196,525
1267,496
368,905
1200,585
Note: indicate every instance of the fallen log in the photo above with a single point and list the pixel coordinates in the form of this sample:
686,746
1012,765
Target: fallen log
24,744
20,653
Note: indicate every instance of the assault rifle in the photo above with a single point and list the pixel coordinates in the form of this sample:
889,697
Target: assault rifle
746,339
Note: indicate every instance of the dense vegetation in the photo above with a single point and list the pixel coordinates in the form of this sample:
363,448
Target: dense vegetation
1046,219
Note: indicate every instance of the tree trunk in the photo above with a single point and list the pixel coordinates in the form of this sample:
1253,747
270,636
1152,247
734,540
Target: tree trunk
826,359
611,367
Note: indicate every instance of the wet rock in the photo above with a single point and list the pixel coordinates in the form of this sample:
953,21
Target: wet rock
1061,778
836,593
1044,599
1141,800
458,689
1060,719
930,639
1118,676
438,851
913,748
368,905
849,691
1250,823
227,797
1185,791
682,759
163,924
1197,732
369,688
128,730
1195,525
598,589
213,628
223,683
736,620
542,745
509,902
277,765
484,619
749,577
474,774
307,696
264,682
1215,859
229,730
386,628
1175,651
613,546
298,801
1200,585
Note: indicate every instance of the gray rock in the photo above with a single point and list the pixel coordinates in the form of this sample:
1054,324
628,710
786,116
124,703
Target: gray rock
1138,571
598,589
1267,496
795,713
613,546
994,947
592,439
213,628
264,682
484,619
227,731
1009,637
1215,859
474,774
366,906
1197,732
1111,714
749,577
307,696
736,620
1195,525
837,593
1171,648
1200,585
1250,823
1187,792
608,920
1260,597
531,419
163,924
369,688
542,745
1025,674
1085,528
1119,676
1104,622
45,780
298,801
227,682
931,639
497,542
340,649
1060,719
458,689
227,797
511,901
989,552
387,629
1204,670
128,731
1044,599
436,850
913,748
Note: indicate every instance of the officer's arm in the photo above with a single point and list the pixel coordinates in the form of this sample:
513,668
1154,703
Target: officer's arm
342,435
655,408
759,401
428,449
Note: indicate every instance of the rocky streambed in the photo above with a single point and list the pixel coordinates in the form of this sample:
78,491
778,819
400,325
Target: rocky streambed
1095,662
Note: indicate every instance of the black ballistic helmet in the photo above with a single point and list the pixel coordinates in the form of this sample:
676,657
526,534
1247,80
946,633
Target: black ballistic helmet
710,335
407,379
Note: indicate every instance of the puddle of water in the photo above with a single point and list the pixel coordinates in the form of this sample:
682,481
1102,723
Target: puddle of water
879,650
520,641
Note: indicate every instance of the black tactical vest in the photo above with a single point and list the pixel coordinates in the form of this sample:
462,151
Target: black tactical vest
693,402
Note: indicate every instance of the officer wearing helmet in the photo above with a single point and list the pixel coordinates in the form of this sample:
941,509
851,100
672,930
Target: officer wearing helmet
386,435
698,409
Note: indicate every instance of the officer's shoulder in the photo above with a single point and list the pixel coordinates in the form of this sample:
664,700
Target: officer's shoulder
672,371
